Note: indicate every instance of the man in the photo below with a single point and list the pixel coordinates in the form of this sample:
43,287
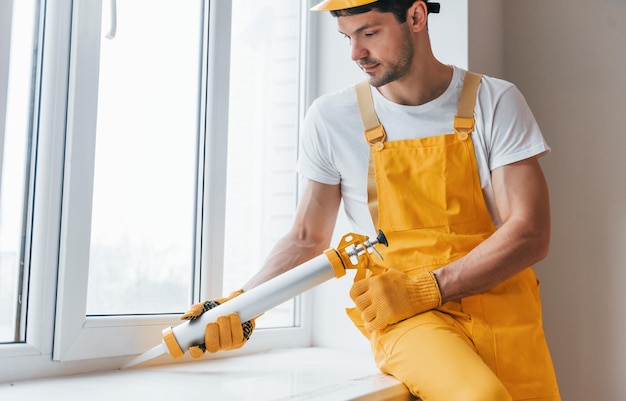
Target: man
455,185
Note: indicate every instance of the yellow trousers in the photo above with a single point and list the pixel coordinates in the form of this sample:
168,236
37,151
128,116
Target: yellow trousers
455,352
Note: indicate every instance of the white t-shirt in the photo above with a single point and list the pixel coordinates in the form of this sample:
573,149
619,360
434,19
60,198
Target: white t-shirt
333,149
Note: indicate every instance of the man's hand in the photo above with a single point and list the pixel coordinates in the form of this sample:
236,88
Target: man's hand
393,296
227,333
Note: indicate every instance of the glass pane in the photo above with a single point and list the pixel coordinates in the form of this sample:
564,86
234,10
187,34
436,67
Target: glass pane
262,138
18,45
142,235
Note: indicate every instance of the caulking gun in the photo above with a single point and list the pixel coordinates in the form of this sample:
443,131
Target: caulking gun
353,252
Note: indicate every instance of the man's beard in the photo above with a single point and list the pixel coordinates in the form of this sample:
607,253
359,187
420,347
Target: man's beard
397,69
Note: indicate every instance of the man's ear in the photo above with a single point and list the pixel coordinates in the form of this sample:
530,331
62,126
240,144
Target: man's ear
417,16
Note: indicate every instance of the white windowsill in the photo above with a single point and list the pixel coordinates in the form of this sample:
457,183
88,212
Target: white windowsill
314,374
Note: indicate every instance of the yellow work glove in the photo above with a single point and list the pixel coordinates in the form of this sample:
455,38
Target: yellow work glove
227,333
393,296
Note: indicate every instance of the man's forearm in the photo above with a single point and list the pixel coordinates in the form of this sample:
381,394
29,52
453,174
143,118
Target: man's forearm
286,254
507,252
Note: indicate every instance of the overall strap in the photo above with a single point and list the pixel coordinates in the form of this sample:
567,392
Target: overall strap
372,128
374,132
464,119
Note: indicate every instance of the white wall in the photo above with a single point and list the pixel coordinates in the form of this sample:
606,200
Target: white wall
486,37
569,59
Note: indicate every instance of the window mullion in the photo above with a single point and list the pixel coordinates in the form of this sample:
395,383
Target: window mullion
215,147
78,175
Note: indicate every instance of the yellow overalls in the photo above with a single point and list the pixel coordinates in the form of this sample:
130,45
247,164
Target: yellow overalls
489,346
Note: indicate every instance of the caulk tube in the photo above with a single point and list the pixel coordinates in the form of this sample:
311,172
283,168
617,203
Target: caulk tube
258,300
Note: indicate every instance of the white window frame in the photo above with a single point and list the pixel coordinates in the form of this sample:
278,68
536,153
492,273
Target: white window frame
62,205
34,354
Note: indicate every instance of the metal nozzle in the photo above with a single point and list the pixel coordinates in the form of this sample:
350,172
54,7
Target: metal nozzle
368,245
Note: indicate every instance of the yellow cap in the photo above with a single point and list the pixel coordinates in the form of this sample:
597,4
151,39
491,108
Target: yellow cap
332,5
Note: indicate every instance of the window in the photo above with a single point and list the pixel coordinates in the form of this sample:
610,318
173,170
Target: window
147,159
165,139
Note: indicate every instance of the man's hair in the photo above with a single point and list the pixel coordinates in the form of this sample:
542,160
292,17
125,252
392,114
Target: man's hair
398,8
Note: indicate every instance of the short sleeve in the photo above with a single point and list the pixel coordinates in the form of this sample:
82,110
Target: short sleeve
315,155
515,134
